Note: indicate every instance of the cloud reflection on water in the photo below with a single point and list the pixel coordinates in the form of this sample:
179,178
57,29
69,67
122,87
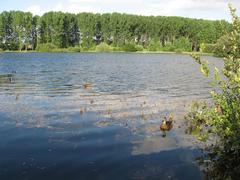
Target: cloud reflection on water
124,110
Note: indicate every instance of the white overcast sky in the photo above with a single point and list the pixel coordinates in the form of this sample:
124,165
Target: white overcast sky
206,9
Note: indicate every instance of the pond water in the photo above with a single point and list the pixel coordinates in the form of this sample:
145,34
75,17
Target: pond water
54,127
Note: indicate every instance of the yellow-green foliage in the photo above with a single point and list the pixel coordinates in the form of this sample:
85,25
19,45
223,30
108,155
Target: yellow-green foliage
221,119
179,45
131,47
154,46
47,47
74,49
224,44
103,47
209,48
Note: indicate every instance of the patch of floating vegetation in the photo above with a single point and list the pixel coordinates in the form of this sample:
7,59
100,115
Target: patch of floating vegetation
102,123
141,112
6,78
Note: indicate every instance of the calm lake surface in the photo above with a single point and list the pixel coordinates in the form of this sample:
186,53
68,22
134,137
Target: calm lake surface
51,127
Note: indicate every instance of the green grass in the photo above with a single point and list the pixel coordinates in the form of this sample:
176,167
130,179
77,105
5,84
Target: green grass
104,47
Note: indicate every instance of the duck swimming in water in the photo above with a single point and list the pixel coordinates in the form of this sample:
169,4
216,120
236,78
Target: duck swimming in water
167,124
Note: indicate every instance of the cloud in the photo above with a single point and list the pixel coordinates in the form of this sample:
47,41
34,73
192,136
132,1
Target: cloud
34,9
207,9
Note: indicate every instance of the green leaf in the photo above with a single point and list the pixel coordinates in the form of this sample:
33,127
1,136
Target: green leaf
216,74
204,68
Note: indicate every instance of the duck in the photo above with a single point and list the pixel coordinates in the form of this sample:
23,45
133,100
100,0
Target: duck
87,86
83,110
167,123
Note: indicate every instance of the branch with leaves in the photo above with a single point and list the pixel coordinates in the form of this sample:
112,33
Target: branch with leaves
221,119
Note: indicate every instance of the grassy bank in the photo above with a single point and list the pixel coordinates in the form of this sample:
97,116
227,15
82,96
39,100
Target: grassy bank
136,52
105,48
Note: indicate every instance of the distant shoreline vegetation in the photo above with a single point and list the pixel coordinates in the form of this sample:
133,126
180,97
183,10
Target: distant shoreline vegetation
88,32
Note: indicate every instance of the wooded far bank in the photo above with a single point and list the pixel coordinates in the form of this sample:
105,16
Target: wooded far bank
56,31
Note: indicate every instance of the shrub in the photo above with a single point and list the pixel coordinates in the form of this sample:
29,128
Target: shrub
182,44
179,45
178,50
116,48
47,47
139,47
223,46
219,121
154,46
207,48
168,47
103,47
74,49
88,48
11,46
131,47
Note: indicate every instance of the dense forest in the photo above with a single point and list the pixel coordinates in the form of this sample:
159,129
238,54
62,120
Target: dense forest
88,31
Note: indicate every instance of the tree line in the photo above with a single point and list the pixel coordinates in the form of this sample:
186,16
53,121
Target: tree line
23,31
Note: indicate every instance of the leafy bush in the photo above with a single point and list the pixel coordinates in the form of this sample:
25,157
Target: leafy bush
168,47
116,48
182,44
154,46
179,45
103,47
219,122
11,46
207,48
74,49
48,47
139,47
180,50
131,47
224,44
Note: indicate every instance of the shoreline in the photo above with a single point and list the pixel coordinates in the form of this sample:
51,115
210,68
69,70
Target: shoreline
137,52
